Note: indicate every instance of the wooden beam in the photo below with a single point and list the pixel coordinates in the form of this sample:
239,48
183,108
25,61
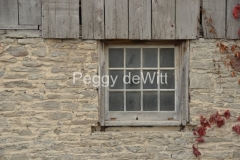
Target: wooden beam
140,19
17,27
163,19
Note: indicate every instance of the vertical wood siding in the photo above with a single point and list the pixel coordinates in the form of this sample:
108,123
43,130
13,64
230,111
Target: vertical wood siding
30,12
213,18
92,19
60,19
139,19
163,19
187,19
9,12
232,25
116,26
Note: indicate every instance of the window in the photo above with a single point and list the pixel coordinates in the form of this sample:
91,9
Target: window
146,83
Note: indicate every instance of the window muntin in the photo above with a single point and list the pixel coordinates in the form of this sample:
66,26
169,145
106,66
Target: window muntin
142,61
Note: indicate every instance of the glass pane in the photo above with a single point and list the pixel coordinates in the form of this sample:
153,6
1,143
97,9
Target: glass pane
115,79
149,79
132,79
116,101
167,57
133,57
116,57
150,57
167,79
133,101
167,101
150,102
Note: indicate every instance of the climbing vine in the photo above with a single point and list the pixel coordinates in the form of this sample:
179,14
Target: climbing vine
219,119
207,122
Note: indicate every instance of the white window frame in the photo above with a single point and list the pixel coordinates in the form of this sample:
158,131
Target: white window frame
172,118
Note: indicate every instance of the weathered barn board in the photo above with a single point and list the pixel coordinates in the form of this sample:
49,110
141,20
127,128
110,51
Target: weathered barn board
232,25
30,12
8,12
139,19
163,19
116,19
61,19
18,27
213,18
92,19
187,19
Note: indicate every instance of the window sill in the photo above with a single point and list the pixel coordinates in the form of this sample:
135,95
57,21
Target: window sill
142,123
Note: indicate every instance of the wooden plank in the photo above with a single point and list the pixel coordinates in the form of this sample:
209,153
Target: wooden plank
9,12
213,18
232,25
140,19
67,20
17,27
30,12
187,19
61,20
102,90
163,19
116,19
92,19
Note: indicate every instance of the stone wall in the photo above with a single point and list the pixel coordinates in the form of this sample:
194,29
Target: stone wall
44,116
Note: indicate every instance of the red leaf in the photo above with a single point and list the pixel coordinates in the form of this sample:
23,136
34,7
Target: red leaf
200,139
239,118
227,114
201,131
212,118
196,151
204,122
236,11
194,133
220,121
236,128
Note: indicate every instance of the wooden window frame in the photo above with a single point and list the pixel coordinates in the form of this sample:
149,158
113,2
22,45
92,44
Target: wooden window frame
181,81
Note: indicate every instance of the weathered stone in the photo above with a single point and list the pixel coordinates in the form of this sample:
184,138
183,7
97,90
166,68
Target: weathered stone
3,123
17,51
92,66
21,84
94,57
2,153
1,48
51,85
68,106
31,63
40,52
14,76
235,63
19,157
89,94
27,41
24,132
24,34
53,96
89,107
35,75
57,54
57,131
2,73
85,122
21,69
8,59
49,105
8,106
60,116
57,69
198,80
